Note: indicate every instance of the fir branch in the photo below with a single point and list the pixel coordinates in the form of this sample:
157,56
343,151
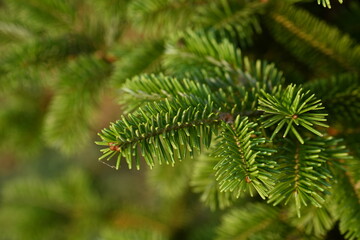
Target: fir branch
290,107
48,12
45,51
204,182
164,131
11,32
148,88
314,41
69,116
192,54
145,58
326,3
236,19
161,16
224,17
305,171
243,163
340,95
192,50
253,220
347,207
314,221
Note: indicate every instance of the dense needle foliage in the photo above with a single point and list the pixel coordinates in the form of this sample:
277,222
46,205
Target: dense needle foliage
251,104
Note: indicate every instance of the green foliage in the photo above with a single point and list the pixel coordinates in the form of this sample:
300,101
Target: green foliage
165,131
80,86
255,221
292,107
218,64
243,163
227,18
347,207
234,86
135,59
340,96
65,205
204,181
58,46
203,96
326,3
305,173
137,234
314,221
171,182
157,88
322,47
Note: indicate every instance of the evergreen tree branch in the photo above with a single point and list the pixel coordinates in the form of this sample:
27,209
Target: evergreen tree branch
314,221
290,107
45,51
11,32
204,182
163,131
48,12
145,58
148,88
243,164
69,116
326,3
253,220
314,41
347,206
305,171
192,54
236,19
340,95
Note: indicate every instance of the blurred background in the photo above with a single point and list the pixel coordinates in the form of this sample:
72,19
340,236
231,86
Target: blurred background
62,63
61,66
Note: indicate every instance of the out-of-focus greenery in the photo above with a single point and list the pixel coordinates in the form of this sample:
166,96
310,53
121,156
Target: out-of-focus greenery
61,66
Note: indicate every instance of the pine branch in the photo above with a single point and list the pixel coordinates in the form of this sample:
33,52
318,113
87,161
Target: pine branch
161,16
204,182
45,51
69,116
314,221
347,207
223,17
326,3
340,95
305,171
193,50
154,88
132,61
254,220
290,107
11,32
45,12
234,19
313,41
192,54
243,163
151,88
163,131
